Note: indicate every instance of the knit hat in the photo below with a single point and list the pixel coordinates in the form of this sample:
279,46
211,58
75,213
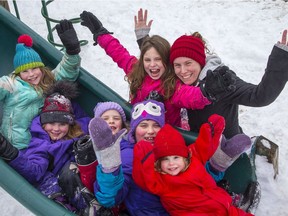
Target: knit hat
102,107
146,110
169,141
188,46
57,106
26,57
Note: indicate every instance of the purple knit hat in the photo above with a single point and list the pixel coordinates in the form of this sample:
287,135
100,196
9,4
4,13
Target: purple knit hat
146,110
102,107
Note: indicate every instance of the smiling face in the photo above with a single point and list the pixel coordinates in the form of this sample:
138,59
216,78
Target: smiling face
187,70
56,130
153,64
172,165
113,119
32,76
147,130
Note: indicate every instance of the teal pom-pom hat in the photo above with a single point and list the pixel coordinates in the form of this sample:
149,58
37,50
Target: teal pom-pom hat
26,57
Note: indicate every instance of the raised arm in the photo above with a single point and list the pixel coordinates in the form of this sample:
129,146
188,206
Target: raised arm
111,45
142,28
69,66
109,178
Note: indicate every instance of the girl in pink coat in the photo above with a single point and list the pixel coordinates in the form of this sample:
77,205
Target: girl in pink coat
179,176
152,72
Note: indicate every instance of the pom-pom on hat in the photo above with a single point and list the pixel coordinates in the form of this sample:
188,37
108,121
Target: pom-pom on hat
57,106
169,141
26,57
102,107
146,110
188,46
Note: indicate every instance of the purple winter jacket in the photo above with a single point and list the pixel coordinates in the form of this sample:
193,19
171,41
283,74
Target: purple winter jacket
44,158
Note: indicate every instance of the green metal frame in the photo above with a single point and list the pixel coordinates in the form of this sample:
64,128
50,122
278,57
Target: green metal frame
48,19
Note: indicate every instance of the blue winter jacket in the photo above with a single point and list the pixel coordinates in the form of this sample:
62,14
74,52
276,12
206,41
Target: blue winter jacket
21,103
44,158
112,189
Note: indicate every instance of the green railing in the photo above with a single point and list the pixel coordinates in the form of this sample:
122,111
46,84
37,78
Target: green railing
49,20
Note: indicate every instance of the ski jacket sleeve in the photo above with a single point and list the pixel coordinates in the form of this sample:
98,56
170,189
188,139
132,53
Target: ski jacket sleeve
68,68
144,174
32,166
117,52
189,97
270,86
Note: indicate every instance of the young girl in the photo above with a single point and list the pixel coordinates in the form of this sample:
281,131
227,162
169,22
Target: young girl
115,117
53,133
22,92
152,72
180,178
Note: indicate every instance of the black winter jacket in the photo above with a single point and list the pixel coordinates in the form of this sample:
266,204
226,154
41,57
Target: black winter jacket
271,85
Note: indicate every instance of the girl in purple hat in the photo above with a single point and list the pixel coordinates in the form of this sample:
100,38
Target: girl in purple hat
114,115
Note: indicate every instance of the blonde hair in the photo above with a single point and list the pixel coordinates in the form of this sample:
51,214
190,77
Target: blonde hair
157,164
138,73
46,81
74,131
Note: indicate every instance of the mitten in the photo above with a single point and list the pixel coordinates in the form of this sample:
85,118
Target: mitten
84,152
94,24
68,37
106,144
228,151
217,82
7,151
86,161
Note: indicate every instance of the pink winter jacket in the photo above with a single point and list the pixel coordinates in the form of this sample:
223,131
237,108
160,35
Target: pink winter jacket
184,96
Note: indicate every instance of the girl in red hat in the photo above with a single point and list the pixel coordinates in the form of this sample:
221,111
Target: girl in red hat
177,174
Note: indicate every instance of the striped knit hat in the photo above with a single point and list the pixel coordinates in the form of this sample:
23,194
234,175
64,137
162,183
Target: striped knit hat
26,57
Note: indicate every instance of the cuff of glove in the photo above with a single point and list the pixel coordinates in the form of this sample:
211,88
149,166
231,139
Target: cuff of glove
100,32
109,158
73,50
220,161
141,33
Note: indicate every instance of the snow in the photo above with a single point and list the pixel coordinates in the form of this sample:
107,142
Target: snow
241,32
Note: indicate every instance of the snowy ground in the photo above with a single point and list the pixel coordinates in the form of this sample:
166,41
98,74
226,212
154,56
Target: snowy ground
242,33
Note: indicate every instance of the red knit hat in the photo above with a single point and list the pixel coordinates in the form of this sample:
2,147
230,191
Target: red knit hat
188,46
169,141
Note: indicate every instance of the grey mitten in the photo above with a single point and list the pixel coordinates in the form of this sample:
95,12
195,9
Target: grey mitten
229,150
106,144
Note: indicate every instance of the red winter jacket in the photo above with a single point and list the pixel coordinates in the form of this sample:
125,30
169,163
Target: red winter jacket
189,97
190,193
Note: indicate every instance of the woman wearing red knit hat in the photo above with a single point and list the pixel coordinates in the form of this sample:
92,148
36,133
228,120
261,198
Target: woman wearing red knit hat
192,67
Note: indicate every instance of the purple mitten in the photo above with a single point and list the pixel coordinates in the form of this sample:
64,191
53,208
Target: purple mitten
105,144
229,150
